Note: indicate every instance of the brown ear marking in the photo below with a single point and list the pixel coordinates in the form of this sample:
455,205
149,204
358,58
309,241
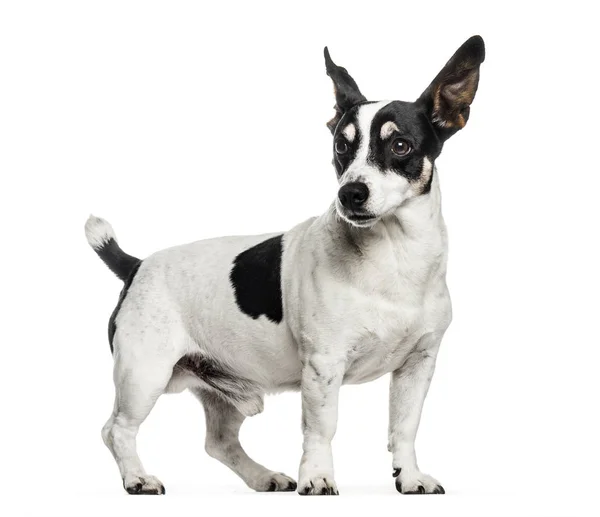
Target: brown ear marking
452,101
454,88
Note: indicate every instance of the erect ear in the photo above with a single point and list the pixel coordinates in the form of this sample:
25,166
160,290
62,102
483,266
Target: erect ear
346,91
448,98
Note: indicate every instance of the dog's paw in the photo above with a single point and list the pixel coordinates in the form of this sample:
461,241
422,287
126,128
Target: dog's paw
275,482
146,485
318,485
415,482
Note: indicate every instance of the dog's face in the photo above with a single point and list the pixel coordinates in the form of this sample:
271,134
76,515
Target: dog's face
384,152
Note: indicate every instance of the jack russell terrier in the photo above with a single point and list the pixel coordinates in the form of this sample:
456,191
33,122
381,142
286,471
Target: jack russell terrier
343,298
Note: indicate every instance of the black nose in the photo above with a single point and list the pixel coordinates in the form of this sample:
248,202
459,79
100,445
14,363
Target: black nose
353,195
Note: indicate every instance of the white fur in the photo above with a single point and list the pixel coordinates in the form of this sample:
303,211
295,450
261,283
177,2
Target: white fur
365,116
358,303
98,231
350,132
387,129
366,318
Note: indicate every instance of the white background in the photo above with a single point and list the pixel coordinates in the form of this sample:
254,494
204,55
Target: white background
179,121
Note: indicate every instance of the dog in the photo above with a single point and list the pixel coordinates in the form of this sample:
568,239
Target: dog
343,298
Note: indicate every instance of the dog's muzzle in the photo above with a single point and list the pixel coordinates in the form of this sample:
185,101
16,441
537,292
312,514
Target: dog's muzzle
352,198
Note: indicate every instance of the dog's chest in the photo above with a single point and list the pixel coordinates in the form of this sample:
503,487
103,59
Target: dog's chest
383,335
397,299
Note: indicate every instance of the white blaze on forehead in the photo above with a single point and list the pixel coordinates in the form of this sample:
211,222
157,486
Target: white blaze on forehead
365,116
349,132
387,129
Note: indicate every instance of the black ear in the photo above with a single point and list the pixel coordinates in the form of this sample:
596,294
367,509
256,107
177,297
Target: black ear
346,91
448,98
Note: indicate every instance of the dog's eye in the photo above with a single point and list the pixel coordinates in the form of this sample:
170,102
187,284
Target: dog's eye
401,147
341,147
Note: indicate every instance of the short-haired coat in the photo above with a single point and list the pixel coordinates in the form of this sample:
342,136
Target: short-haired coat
343,298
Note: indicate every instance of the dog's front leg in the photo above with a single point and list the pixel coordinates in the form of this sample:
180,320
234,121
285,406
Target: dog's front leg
408,388
322,377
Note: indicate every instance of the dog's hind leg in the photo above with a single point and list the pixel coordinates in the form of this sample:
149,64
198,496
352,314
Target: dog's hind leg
143,368
223,422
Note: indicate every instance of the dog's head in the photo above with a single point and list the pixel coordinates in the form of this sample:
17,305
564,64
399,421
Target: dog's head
384,152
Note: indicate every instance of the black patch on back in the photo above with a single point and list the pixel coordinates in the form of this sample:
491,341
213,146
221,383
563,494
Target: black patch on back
218,377
256,280
112,325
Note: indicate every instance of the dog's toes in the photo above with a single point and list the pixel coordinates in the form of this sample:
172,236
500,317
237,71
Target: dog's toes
134,489
276,482
147,485
410,483
318,486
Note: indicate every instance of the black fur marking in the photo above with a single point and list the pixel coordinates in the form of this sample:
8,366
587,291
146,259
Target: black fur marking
119,262
426,124
218,377
112,325
345,88
256,280
341,161
448,98
414,127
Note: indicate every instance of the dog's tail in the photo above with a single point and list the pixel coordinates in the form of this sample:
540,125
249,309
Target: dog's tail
103,241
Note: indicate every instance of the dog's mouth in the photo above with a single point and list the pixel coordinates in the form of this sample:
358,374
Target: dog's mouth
361,220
